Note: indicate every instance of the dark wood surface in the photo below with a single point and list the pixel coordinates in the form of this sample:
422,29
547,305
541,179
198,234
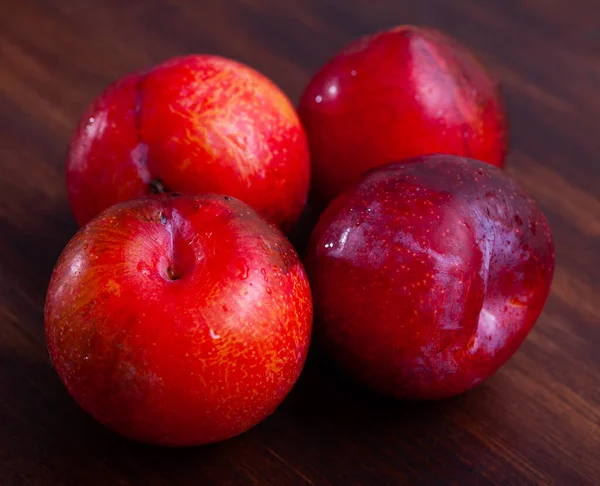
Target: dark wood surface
537,421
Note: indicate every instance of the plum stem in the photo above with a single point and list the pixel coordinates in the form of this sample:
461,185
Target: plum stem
180,256
156,186
172,274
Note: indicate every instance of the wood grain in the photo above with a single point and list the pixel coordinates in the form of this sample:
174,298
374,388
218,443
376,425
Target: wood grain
537,421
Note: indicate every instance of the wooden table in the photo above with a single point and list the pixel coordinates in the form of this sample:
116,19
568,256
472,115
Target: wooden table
537,421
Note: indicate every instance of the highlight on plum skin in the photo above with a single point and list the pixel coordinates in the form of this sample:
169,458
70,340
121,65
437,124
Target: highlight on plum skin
428,274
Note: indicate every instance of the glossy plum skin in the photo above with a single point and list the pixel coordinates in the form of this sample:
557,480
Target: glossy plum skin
179,320
192,124
428,275
400,93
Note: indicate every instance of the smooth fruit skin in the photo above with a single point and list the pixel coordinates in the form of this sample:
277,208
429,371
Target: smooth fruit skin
398,94
428,274
178,320
192,124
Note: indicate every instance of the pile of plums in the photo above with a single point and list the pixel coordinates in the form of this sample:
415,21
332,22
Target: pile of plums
180,314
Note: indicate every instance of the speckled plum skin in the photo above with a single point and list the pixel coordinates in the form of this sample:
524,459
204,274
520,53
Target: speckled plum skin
428,275
192,124
401,93
179,320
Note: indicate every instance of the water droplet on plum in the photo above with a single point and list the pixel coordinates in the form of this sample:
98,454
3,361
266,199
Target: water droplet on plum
243,269
144,268
533,226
